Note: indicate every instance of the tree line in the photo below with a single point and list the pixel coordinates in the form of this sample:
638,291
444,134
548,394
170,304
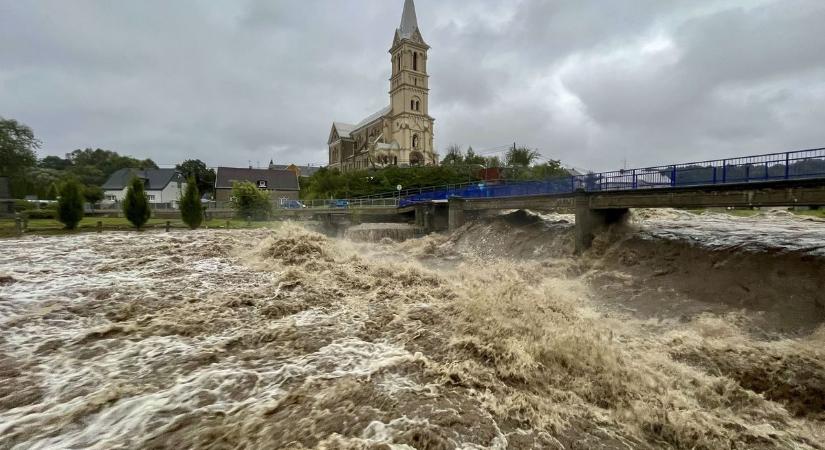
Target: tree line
90,167
458,166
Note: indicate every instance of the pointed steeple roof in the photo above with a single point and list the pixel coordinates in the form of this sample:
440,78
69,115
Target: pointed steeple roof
409,21
409,24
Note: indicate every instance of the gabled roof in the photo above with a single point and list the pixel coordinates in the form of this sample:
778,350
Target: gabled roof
304,171
279,180
340,130
153,179
373,117
345,130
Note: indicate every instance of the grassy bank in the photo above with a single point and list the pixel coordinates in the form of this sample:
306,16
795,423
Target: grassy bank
89,224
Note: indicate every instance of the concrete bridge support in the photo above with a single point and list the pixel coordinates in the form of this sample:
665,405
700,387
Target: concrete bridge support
432,217
456,213
590,222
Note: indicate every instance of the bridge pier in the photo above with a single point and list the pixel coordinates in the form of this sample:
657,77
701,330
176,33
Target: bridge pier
456,213
591,221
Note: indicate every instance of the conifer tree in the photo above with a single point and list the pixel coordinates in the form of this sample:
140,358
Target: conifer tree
191,209
70,204
53,192
136,204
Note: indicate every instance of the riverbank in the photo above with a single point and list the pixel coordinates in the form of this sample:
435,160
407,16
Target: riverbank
495,336
51,227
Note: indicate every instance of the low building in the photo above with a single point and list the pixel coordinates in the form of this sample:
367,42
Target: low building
281,184
161,185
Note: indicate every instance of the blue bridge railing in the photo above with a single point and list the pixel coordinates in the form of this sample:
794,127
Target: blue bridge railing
803,164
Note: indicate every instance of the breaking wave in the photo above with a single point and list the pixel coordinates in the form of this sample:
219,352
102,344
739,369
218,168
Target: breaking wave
492,337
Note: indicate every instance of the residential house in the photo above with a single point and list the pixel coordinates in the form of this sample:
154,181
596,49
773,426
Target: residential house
162,186
281,184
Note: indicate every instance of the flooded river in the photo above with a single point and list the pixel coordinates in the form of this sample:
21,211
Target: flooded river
682,331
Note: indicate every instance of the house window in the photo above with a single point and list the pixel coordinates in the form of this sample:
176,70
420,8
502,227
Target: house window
151,198
262,184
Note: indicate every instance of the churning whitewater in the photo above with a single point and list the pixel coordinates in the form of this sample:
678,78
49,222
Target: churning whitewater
680,332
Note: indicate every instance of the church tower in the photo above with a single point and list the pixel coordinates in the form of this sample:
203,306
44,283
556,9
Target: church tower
412,126
400,134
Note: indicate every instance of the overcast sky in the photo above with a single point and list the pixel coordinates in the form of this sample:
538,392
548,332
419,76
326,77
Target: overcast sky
594,83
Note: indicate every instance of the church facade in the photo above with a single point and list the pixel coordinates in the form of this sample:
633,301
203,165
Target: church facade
400,134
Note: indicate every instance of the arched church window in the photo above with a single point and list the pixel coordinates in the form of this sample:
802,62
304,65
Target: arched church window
415,60
415,141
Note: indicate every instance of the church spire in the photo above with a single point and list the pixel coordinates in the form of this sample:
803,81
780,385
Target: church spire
409,22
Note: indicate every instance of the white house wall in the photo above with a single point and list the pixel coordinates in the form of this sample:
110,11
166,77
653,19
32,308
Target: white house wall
168,195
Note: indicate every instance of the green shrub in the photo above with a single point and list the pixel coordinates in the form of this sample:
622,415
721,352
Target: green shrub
250,202
93,194
53,192
191,209
136,204
23,205
70,204
49,213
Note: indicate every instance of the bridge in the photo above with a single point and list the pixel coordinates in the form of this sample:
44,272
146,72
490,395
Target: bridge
598,199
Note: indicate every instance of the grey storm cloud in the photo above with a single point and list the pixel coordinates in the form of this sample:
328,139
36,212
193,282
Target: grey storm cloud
593,83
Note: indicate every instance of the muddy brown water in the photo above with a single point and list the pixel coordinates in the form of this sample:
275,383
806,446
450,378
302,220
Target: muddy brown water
492,337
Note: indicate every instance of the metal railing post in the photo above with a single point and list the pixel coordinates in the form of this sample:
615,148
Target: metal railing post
724,171
787,165
673,176
635,180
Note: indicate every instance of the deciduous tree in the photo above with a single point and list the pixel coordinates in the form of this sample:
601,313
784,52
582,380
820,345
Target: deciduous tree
250,202
204,176
521,157
454,156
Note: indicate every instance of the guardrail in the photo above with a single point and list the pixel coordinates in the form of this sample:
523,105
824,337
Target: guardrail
802,164
339,203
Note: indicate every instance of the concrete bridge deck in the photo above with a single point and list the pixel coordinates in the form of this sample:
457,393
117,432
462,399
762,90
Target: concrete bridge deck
596,210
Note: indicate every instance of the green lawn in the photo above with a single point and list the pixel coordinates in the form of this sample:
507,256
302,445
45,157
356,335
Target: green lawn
50,226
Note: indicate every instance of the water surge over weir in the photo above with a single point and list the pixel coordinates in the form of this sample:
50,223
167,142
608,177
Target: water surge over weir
493,337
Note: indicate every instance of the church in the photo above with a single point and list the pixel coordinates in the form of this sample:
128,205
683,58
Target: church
400,134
